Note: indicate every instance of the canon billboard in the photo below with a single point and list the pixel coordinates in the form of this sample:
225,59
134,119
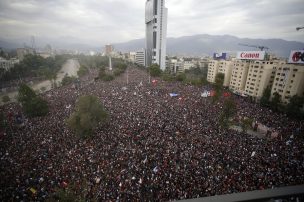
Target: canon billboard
251,55
296,56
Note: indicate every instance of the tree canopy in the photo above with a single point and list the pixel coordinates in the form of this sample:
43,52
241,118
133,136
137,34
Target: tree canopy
229,110
264,101
293,108
155,70
89,113
32,104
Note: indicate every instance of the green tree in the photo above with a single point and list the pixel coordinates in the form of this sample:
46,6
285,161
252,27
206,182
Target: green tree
219,80
276,101
294,107
228,111
246,123
181,77
32,104
6,99
82,71
89,114
25,94
155,70
264,101
67,80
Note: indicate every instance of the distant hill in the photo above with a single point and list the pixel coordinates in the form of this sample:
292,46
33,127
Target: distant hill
197,45
205,44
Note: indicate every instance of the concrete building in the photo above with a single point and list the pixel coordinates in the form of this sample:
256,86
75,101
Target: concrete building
212,70
21,52
156,32
239,75
108,49
225,67
140,57
289,81
176,66
8,64
260,76
189,63
132,56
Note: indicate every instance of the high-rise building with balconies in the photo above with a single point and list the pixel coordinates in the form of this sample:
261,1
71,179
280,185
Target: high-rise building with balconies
156,32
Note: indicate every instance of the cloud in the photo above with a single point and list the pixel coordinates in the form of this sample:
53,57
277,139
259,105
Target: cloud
112,21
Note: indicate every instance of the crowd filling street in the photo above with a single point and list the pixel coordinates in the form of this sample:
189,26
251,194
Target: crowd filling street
154,146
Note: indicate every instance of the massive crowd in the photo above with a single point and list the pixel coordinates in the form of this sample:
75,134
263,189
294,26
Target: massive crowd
154,147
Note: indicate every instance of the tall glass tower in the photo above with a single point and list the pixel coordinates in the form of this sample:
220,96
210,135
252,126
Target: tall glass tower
156,32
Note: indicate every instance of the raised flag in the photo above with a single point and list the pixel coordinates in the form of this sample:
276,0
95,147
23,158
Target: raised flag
173,94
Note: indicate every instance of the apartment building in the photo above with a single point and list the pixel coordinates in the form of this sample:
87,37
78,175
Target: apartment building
260,76
188,63
140,57
213,67
176,66
8,64
239,75
225,67
289,81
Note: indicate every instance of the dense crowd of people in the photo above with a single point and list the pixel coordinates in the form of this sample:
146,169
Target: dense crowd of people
154,147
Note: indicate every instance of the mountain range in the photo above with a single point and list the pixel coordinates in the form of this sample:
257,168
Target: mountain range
205,44
196,45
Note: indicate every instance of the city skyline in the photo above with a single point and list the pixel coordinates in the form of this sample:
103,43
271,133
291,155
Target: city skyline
118,21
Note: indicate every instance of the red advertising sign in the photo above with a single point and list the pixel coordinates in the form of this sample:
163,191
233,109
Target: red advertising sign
296,56
251,55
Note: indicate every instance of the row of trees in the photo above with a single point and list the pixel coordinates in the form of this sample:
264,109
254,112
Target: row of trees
35,66
194,76
294,107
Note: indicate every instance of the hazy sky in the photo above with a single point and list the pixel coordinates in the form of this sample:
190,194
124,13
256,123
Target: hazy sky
112,21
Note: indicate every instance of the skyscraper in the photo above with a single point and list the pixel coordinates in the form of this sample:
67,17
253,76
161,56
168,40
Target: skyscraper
156,32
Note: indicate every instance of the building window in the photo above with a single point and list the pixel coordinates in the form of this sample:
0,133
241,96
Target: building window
154,39
155,7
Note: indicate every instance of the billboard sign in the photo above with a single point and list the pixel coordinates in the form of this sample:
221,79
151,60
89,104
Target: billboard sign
219,56
250,55
296,56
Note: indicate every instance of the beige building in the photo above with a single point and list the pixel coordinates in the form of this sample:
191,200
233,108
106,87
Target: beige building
260,75
213,67
108,49
8,64
176,66
289,81
239,75
188,63
21,52
225,67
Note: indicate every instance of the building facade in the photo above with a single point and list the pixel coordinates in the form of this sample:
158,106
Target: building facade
140,57
239,75
225,67
108,49
8,64
212,70
289,81
156,32
260,76
21,52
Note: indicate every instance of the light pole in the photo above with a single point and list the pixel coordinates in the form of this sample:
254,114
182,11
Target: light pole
127,77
